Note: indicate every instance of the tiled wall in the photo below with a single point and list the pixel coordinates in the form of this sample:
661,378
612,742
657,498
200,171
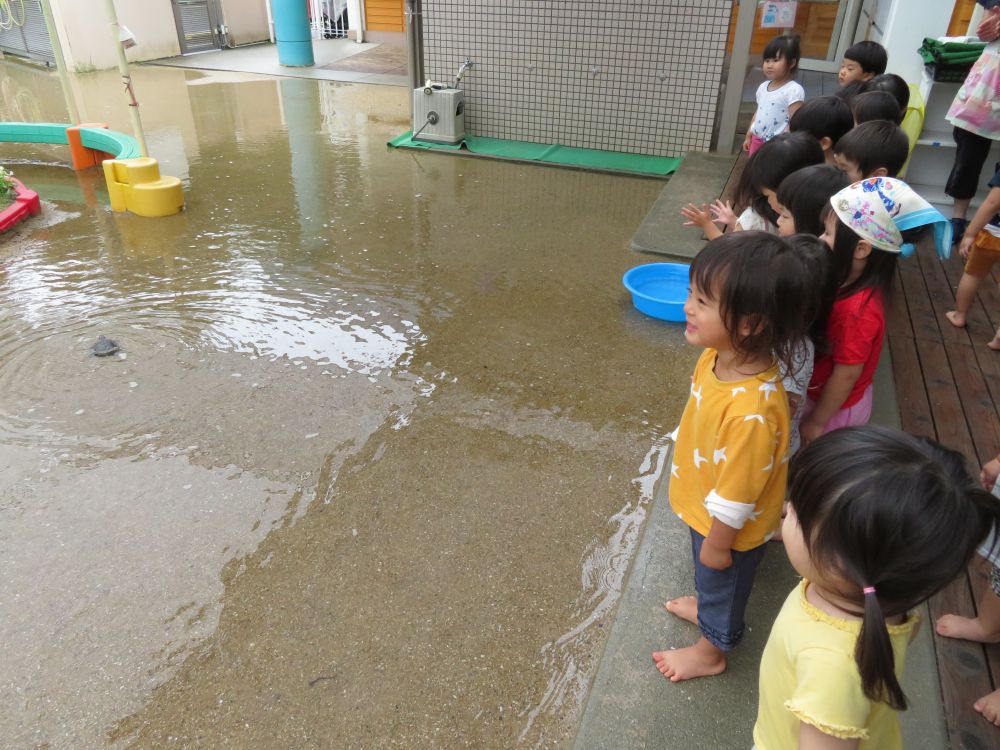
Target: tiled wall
640,76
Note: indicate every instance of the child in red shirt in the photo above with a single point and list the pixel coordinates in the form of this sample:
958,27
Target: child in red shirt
868,225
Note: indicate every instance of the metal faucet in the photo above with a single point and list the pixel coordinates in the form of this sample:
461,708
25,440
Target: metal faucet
468,64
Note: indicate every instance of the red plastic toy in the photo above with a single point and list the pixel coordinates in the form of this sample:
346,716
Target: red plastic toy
25,204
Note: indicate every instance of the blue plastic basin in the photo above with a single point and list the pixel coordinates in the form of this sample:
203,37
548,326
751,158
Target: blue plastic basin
659,289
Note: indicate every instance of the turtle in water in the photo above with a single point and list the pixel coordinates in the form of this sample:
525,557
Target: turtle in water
104,347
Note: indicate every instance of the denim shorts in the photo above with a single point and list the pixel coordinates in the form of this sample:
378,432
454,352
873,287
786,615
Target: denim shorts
723,594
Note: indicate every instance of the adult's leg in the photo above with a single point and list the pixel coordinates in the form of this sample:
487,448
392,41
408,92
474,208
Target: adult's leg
971,151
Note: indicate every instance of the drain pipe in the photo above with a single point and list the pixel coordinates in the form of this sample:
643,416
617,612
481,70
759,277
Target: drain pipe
270,20
414,51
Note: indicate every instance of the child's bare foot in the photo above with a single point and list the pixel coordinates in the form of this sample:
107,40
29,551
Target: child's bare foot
989,707
684,607
967,628
700,660
956,318
994,344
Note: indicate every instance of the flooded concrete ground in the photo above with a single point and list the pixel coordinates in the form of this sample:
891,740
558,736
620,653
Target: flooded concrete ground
372,461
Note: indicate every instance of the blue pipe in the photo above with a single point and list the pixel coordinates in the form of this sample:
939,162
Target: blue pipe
291,31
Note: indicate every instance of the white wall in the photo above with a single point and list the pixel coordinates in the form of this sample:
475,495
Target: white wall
85,31
246,19
631,77
905,23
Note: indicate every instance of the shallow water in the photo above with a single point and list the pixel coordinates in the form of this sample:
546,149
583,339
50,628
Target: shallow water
375,453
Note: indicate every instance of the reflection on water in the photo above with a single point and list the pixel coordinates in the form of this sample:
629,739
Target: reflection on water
339,365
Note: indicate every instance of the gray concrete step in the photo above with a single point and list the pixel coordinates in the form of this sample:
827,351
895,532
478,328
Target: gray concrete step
700,178
632,706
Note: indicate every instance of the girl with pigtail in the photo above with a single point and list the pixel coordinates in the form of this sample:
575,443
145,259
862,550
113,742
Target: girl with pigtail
878,522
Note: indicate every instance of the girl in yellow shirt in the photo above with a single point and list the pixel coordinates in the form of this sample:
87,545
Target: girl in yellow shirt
878,522
752,300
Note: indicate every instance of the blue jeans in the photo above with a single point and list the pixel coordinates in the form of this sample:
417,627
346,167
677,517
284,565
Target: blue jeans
723,594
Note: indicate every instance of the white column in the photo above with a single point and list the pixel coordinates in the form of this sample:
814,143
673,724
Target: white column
356,19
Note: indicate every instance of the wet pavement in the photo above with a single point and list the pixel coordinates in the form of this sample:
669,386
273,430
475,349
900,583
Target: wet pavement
370,466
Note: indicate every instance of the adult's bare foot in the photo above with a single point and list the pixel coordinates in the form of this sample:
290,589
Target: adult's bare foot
684,607
967,628
989,707
700,660
956,318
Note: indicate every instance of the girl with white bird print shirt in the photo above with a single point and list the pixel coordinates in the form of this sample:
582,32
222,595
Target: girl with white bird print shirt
752,299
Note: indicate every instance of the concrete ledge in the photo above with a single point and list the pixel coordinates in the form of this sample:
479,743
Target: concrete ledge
632,706
700,178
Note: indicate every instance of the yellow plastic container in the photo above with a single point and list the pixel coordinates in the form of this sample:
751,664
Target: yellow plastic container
136,185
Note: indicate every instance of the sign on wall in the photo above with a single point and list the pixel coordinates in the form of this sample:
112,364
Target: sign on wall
778,15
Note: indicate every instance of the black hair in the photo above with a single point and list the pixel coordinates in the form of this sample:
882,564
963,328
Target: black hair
894,84
880,266
878,508
772,162
806,192
875,144
876,105
823,286
850,90
760,279
823,117
784,47
871,56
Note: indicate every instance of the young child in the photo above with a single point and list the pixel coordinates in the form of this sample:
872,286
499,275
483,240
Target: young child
980,246
873,149
803,197
985,626
879,521
756,189
876,105
869,225
862,62
727,481
779,96
825,118
824,290
893,84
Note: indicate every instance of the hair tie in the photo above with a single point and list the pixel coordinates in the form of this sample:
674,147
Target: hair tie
868,590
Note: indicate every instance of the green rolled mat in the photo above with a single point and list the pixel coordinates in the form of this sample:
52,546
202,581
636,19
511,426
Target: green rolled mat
550,153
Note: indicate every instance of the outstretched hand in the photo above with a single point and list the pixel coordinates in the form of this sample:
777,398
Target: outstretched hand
723,213
697,216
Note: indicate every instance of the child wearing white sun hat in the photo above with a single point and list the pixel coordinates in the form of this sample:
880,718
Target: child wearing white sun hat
868,226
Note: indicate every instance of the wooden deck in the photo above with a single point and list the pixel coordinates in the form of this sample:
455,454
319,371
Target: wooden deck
948,388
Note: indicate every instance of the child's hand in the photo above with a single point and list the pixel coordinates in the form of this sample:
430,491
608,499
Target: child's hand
715,558
966,246
696,215
723,213
809,431
746,143
989,474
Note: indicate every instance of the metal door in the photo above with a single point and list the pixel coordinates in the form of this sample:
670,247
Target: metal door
23,32
197,25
